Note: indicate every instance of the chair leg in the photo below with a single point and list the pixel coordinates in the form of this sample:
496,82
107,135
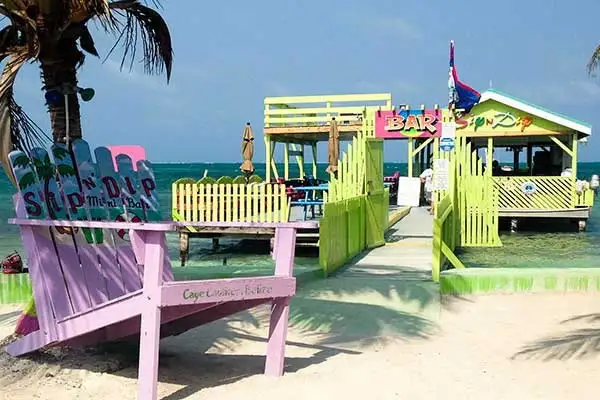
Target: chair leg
278,326
150,316
27,344
149,346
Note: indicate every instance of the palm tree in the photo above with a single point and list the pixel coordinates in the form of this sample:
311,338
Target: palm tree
53,34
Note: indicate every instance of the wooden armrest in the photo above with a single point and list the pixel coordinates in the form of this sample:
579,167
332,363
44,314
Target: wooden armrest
144,226
167,226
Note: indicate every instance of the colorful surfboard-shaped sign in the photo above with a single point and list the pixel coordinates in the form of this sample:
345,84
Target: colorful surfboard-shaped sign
28,184
149,193
110,184
130,188
91,187
74,198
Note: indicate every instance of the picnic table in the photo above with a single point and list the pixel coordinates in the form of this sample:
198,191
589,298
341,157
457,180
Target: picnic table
311,198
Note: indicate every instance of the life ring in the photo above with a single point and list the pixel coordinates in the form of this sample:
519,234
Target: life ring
126,217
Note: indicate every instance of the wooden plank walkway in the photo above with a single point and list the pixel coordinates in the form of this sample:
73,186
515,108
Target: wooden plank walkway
402,268
408,247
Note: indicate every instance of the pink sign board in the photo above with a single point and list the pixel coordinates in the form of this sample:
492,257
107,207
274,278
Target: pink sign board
406,124
136,153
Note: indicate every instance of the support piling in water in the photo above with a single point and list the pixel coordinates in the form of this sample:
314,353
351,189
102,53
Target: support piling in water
514,225
184,246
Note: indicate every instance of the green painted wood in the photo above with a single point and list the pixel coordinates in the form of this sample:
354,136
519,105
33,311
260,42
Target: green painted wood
518,280
377,202
15,288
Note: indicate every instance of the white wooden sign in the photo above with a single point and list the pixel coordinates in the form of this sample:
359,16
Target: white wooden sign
449,130
409,191
441,177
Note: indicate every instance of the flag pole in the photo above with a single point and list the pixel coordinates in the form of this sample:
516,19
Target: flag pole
451,83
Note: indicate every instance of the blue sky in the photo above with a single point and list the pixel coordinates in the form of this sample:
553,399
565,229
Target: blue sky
230,55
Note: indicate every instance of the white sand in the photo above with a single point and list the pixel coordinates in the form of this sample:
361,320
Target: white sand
467,354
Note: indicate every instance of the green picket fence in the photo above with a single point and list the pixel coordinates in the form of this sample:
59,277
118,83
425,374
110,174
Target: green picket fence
342,233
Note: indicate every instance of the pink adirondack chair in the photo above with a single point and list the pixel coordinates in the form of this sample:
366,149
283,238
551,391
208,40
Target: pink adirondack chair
99,265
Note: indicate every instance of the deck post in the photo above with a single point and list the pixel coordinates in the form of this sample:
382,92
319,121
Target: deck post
489,156
150,315
286,161
269,156
285,246
574,170
315,170
410,157
574,158
530,158
184,246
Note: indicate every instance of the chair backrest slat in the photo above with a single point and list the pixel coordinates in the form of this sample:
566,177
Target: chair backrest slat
152,213
112,187
64,238
85,239
43,257
96,201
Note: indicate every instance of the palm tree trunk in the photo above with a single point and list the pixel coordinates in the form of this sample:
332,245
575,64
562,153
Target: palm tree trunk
60,73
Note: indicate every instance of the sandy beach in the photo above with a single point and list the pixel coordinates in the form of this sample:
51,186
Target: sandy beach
351,344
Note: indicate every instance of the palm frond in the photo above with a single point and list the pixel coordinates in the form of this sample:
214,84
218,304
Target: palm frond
141,23
594,61
86,41
17,130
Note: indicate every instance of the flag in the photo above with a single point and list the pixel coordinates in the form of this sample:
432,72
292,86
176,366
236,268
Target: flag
461,96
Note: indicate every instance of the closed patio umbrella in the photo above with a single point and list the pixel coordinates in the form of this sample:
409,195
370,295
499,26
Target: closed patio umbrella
247,167
333,147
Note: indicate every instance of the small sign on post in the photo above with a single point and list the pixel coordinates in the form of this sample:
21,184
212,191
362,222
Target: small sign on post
447,141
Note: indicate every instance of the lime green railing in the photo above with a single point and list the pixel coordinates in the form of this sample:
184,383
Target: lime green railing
342,233
446,236
551,192
318,110
355,216
585,198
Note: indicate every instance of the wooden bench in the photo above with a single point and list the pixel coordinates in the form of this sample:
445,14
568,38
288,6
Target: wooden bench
100,268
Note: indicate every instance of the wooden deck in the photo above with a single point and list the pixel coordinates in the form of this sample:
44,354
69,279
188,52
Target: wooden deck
306,133
306,119
581,213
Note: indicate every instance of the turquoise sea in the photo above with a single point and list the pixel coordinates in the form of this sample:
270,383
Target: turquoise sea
567,249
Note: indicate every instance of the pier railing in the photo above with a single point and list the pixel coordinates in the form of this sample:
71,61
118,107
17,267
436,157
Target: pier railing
318,110
446,236
356,209
585,198
229,203
535,192
342,232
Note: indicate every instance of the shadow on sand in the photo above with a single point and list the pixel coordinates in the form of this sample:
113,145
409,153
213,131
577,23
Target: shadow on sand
578,343
361,306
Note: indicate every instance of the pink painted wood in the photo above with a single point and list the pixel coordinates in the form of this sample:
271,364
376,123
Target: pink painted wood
143,307
285,242
178,306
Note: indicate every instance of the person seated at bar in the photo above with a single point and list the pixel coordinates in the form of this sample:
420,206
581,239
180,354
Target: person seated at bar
496,168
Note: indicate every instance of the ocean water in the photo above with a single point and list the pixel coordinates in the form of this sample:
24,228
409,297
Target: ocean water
566,249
